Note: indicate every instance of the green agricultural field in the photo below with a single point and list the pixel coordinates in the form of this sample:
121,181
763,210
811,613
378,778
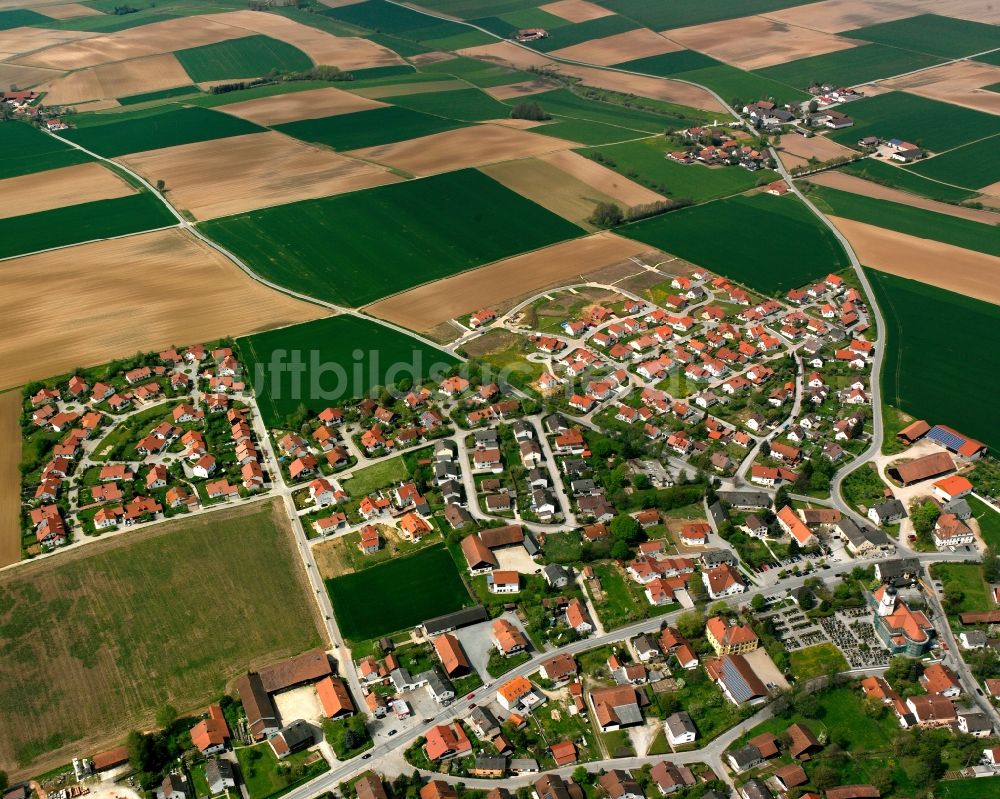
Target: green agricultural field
930,124
369,353
469,9
990,58
577,33
667,64
645,161
930,33
20,17
850,67
907,219
356,248
660,15
249,57
73,224
906,180
210,582
564,103
467,105
506,25
163,94
932,334
386,18
774,225
478,73
26,150
165,128
368,128
817,661
399,594
973,165
583,131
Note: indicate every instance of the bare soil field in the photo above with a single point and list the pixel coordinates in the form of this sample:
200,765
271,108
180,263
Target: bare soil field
519,124
757,42
621,47
10,477
311,104
158,289
346,52
433,57
458,149
403,89
507,54
623,190
69,11
960,83
522,89
797,150
974,274
425,307
97,105
670,91
866,188
242,173
19,41
69,185
987,11
108,81
26,77
576,10
836,16
550,187
145,40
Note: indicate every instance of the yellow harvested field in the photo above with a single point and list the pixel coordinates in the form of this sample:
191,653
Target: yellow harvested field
523,89
155,289
797,150
311,104
108,81
757,42
69,11
19,41
508,54
670,91
960,83
145,40
836,16
69,185
627,46
346,52
968,272
228,176
607,181
576,10
403,89
25,77
458,149
852,183
425,307
10,478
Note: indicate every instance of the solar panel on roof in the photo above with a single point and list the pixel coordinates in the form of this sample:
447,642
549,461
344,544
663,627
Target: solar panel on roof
946,438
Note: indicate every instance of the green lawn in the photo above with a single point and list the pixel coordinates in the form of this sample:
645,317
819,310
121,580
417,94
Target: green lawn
695,234
366,351
816,661
974,165
913,221
646,162
368,128
378,475
73,224
259,768
398,594
167,127
989,522
26,150
968,789
906,180
249,57
468,105
355,248
929,33
967,578
958,325
850,67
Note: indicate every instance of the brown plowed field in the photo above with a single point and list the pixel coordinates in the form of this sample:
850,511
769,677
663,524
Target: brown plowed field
458,149
26,77
797,150
987,11
86,305
311,104
523,89
968,272
403,89
576,10
69,185
508,54
670,91
10,477
425,307
108,81
228,176
69,11
836,16
757,42
960,83
625,191
17,41
621,47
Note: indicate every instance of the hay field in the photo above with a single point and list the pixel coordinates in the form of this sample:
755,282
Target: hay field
171,614
576,10
425,307
756,42
513,90
670,91
971,273
797,150
69,11
960,82
10,478
221,177
19,41
108,81
158,289
837,16
311,104
627,46
625,191
57,188
461,148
